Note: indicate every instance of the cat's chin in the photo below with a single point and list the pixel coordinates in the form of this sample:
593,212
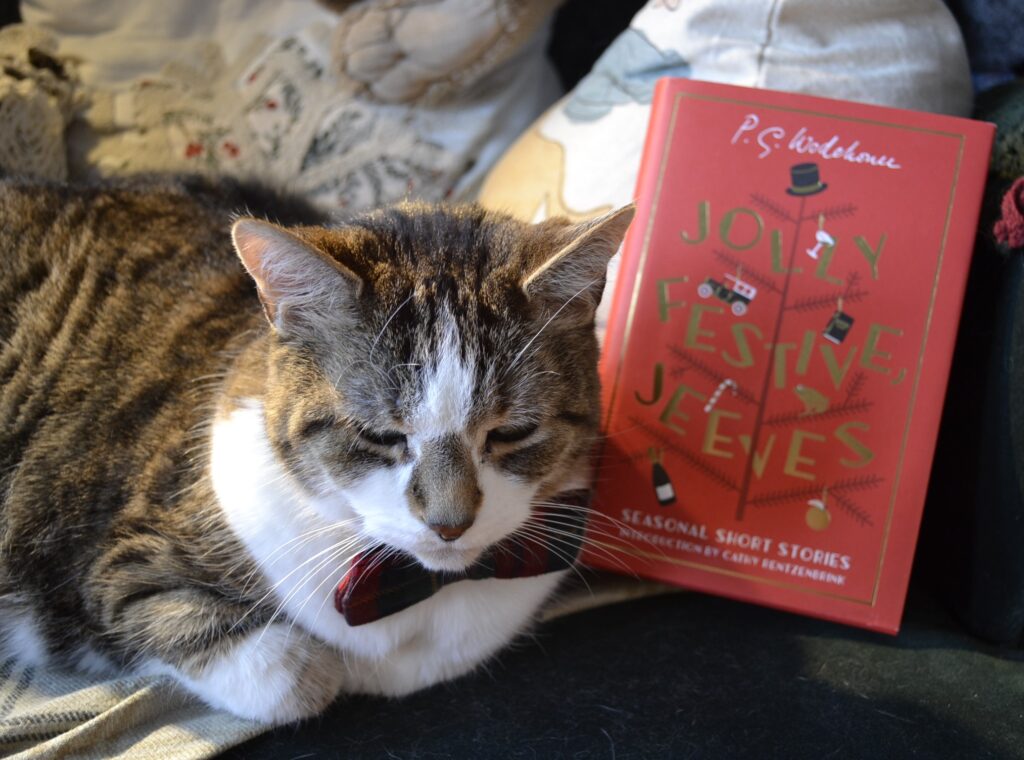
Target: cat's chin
447,558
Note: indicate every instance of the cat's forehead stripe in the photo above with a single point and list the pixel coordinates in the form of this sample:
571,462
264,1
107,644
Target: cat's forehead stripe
448,387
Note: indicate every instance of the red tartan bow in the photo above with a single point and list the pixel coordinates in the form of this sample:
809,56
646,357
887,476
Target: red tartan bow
376,585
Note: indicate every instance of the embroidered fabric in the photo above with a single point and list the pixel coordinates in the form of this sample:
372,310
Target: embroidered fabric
294,109
394,51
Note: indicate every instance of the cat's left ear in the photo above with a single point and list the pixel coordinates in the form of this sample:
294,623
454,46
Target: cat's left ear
570,281
298,284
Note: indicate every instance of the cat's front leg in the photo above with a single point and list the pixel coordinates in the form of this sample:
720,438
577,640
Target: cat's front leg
446,636
228,653
274,674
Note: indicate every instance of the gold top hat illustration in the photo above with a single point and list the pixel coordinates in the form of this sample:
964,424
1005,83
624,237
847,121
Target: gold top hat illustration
805,180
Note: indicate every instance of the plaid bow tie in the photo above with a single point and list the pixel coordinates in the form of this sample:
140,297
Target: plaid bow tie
376,585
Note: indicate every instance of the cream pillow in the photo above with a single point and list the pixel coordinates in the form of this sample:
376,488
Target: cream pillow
581,158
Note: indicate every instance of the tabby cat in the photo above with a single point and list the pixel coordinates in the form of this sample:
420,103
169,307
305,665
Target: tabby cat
200,428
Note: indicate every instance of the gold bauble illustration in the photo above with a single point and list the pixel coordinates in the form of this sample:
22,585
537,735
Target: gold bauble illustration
817,517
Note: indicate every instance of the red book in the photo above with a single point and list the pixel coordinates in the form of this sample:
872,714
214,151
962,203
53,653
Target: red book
780,341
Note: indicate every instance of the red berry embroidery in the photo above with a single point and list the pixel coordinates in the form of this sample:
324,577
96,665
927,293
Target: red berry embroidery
193,149
231,148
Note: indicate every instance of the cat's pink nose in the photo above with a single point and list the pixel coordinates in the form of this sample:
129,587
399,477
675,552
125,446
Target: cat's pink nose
449,532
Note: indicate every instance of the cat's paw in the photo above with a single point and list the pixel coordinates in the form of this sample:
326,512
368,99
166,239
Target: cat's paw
274,675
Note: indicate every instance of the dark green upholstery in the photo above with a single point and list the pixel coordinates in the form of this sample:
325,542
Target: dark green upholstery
691,676
972,544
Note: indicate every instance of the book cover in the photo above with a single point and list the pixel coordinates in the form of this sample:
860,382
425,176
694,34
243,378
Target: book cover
780,340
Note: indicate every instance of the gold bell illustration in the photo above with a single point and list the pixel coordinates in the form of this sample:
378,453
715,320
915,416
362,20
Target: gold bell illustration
818,517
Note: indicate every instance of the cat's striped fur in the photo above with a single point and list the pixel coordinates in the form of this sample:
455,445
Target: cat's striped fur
173,457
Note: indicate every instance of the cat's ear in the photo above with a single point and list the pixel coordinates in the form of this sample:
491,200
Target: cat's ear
297,282
570,281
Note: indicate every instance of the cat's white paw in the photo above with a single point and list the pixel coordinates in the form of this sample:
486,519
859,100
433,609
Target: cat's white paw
275,675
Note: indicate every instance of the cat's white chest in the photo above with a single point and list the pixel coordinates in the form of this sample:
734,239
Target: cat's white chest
304,558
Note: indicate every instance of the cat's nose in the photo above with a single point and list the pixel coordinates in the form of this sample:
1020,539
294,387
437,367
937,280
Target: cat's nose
449,531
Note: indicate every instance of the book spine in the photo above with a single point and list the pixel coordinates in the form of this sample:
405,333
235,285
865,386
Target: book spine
624,294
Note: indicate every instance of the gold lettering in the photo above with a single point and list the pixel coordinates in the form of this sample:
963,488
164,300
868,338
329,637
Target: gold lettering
794,458
746,358
871,349
858,447
777,255
836,372
779,350
725,228
659,372
871,254
760,459
806,348
823,264
703,215
663,303
693,331
712,436
672,409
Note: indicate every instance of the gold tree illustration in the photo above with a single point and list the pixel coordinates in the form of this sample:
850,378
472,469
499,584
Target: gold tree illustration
842,491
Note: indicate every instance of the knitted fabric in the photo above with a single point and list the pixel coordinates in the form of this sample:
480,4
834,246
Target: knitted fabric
1009,230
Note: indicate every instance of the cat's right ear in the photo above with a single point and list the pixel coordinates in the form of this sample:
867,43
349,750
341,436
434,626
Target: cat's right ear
297,282
568,283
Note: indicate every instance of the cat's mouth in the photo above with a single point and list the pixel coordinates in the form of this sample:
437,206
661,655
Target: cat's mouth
447,557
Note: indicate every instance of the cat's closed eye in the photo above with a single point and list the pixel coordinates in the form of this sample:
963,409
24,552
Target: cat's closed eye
385,438
314,425
511,433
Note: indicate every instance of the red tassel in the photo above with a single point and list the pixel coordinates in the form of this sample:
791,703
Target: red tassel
1009,230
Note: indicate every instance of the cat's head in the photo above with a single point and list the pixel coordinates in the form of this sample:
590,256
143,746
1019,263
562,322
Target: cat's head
432,369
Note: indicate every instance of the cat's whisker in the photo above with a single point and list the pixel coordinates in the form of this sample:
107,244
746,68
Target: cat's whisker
331,558
291,546
551,319
558,551
342,545
332,550
589,511
583,516
403,364
605,550
394,314
375,562
327,579
328,597
303,538
310,535
622,544
572,540
374,368
593,516
589,529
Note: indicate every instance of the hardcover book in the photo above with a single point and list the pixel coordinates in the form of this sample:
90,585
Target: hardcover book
781,335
